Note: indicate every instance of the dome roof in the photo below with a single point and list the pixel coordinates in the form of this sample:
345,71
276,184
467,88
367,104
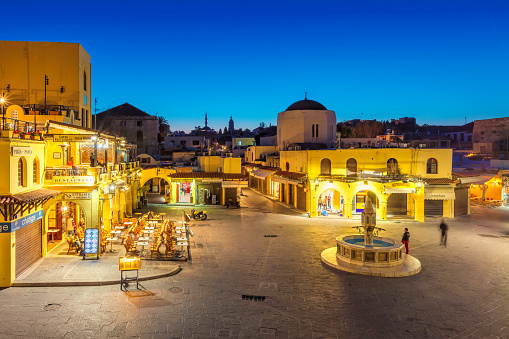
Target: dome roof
306,104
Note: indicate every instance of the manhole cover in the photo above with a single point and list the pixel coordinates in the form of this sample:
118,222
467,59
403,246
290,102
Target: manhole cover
175,290
52,307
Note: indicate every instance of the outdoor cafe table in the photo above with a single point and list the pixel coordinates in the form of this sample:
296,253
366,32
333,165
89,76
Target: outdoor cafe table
142,244
111,240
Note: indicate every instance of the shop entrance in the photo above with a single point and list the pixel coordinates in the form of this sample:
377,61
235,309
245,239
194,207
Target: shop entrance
64,218
359,201
330,201
184,192
397,205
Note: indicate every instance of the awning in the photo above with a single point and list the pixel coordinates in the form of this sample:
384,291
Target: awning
439,193
479,179
235,184
262,174
404,190
285,180
31,196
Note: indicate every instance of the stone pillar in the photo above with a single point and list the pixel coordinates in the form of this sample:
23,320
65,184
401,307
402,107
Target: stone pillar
448,208
419,204
347,207
383,209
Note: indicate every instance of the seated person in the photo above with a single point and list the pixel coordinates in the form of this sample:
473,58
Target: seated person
76,240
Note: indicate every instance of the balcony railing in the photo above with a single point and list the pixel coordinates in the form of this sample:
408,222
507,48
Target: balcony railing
50,110
90,175
8,124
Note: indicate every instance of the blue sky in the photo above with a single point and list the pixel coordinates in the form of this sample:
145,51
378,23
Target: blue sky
438,61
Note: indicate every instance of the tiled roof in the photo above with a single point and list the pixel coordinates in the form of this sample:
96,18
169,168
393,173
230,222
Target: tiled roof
439,181
31,196
209,175
291,175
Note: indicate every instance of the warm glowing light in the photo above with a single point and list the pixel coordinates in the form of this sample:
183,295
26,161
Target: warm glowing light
64,208
2,100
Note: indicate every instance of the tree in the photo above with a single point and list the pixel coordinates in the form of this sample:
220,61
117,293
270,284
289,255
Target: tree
368,129
345,130
220,132
262,125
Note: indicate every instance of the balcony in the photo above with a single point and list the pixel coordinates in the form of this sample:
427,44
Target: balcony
84,175
51,110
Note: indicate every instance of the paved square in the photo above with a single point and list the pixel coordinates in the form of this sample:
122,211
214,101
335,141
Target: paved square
241,284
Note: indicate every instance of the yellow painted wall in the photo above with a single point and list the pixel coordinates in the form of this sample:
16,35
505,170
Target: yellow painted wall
9,165
231,165
24,65
8,255
209,163
410,161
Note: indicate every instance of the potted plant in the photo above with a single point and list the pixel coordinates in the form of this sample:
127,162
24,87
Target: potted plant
35,135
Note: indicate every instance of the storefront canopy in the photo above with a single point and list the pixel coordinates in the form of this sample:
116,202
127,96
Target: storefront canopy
439,193
400,190
262,173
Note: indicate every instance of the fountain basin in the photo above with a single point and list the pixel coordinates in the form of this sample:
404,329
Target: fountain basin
385,252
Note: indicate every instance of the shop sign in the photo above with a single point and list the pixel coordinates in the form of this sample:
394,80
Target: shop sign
91,242
86,180
8,227
22,151
73,137
129,263
435,193
78,196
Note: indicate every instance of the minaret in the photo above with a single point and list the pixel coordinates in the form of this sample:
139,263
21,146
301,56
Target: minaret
231,126
206,119
368,220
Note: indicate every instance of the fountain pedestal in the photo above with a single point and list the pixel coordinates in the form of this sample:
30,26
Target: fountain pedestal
370,255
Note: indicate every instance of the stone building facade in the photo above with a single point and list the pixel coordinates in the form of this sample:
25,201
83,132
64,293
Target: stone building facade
135,125
491,135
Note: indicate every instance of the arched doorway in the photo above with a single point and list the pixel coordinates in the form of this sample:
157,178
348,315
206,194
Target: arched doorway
330,201
63,218
157,189
359,201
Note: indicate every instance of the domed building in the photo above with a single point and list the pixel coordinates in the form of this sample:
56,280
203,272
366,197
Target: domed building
306,123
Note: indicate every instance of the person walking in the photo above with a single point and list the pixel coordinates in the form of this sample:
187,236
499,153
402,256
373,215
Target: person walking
406,239
444,228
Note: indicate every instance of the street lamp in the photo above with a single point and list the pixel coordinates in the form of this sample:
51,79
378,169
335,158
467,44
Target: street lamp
2,101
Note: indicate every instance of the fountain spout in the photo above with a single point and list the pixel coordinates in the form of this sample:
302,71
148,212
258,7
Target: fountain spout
368,220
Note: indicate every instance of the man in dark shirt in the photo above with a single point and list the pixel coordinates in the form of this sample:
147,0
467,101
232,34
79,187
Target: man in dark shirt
444,228
406,239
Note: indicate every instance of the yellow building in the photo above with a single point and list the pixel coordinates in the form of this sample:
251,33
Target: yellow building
218,180
52,181
46,80
319,179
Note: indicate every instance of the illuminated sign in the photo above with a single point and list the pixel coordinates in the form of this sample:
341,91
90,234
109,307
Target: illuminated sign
22,151
91,242
73,137
8,227
78,196
85,180
129,263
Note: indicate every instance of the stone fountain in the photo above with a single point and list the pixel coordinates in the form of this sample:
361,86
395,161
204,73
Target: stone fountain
369,254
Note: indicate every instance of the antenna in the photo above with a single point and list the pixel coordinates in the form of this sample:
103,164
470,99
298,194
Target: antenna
95,114
305,95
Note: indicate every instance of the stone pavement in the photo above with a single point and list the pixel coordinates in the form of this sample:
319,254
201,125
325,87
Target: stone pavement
461,291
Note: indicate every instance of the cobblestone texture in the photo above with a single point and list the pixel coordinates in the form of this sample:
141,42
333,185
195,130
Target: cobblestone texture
461,292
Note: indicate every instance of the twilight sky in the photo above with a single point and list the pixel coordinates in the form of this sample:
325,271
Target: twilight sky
437,60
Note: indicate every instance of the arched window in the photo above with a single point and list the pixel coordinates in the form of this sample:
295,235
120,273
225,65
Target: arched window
432,166
287,166
325,167
36,170
392,166
139,136
351,167
21,172
313,130
317,130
